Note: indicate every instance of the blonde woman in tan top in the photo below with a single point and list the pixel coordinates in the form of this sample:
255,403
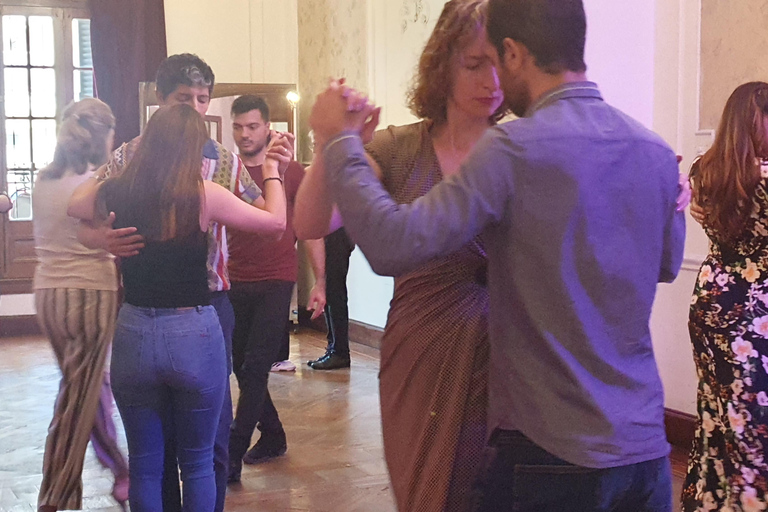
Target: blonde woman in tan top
76,301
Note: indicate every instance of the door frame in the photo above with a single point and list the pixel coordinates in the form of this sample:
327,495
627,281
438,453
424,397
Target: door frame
62,11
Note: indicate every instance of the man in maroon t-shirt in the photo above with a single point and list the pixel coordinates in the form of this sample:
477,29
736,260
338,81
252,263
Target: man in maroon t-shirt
263,273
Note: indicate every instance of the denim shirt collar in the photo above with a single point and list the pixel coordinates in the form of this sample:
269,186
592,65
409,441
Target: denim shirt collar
569,90
210,151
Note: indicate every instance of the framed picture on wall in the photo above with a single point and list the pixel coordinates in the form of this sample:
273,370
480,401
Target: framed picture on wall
213,124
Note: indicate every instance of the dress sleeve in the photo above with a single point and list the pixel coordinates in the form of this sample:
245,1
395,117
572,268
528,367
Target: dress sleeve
382,149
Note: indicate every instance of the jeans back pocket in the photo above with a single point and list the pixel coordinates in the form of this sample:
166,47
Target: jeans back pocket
197,356
126,365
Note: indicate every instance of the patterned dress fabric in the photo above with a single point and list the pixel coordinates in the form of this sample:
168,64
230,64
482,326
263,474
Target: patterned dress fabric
434,354
728,323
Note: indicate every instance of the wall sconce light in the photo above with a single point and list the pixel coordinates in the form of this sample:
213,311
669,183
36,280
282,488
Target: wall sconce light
293,98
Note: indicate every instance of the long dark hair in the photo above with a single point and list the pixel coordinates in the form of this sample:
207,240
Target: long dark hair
160,191
726,176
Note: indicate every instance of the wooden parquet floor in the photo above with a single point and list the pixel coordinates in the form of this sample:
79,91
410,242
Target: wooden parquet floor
334,461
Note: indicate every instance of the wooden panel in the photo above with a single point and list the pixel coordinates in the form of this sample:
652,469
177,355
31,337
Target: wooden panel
365,334
19,326
14,286
66,4
20,259
680,427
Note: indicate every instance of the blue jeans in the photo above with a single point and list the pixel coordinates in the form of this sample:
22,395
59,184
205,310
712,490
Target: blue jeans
171,491
168,375
520,476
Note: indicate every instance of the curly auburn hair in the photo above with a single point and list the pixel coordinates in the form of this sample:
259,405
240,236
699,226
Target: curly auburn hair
459,23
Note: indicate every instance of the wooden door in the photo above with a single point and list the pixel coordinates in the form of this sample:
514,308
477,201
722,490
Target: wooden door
46,63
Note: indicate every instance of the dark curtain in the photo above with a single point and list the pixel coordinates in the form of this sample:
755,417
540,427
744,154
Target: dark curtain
128,44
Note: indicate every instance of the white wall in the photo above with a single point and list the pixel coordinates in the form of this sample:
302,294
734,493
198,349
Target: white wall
244,41
677,90
620,54
369,294
397,35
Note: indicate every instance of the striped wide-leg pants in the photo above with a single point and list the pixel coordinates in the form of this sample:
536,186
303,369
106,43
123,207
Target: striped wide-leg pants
79,324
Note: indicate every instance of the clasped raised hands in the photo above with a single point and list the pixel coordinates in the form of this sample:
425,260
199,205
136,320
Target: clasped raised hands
342,109
280,151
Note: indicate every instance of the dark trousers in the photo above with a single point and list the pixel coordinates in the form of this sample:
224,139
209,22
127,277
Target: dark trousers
338,249
261,313
520,476
285,343
171,491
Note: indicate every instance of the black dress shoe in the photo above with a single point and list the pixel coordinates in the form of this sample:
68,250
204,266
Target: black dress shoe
330,361
328,352
269,446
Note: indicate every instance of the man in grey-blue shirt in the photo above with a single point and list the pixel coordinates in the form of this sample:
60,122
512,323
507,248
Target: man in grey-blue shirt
577,204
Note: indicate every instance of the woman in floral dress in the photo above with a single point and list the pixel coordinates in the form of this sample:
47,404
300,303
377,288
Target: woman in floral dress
728,470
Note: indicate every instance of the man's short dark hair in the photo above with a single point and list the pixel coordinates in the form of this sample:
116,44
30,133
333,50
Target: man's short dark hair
554,31
248,102
183,69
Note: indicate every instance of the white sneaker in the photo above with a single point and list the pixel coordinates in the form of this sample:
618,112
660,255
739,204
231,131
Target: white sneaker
283,366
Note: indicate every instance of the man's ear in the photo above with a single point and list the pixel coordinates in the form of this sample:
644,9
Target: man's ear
515,54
